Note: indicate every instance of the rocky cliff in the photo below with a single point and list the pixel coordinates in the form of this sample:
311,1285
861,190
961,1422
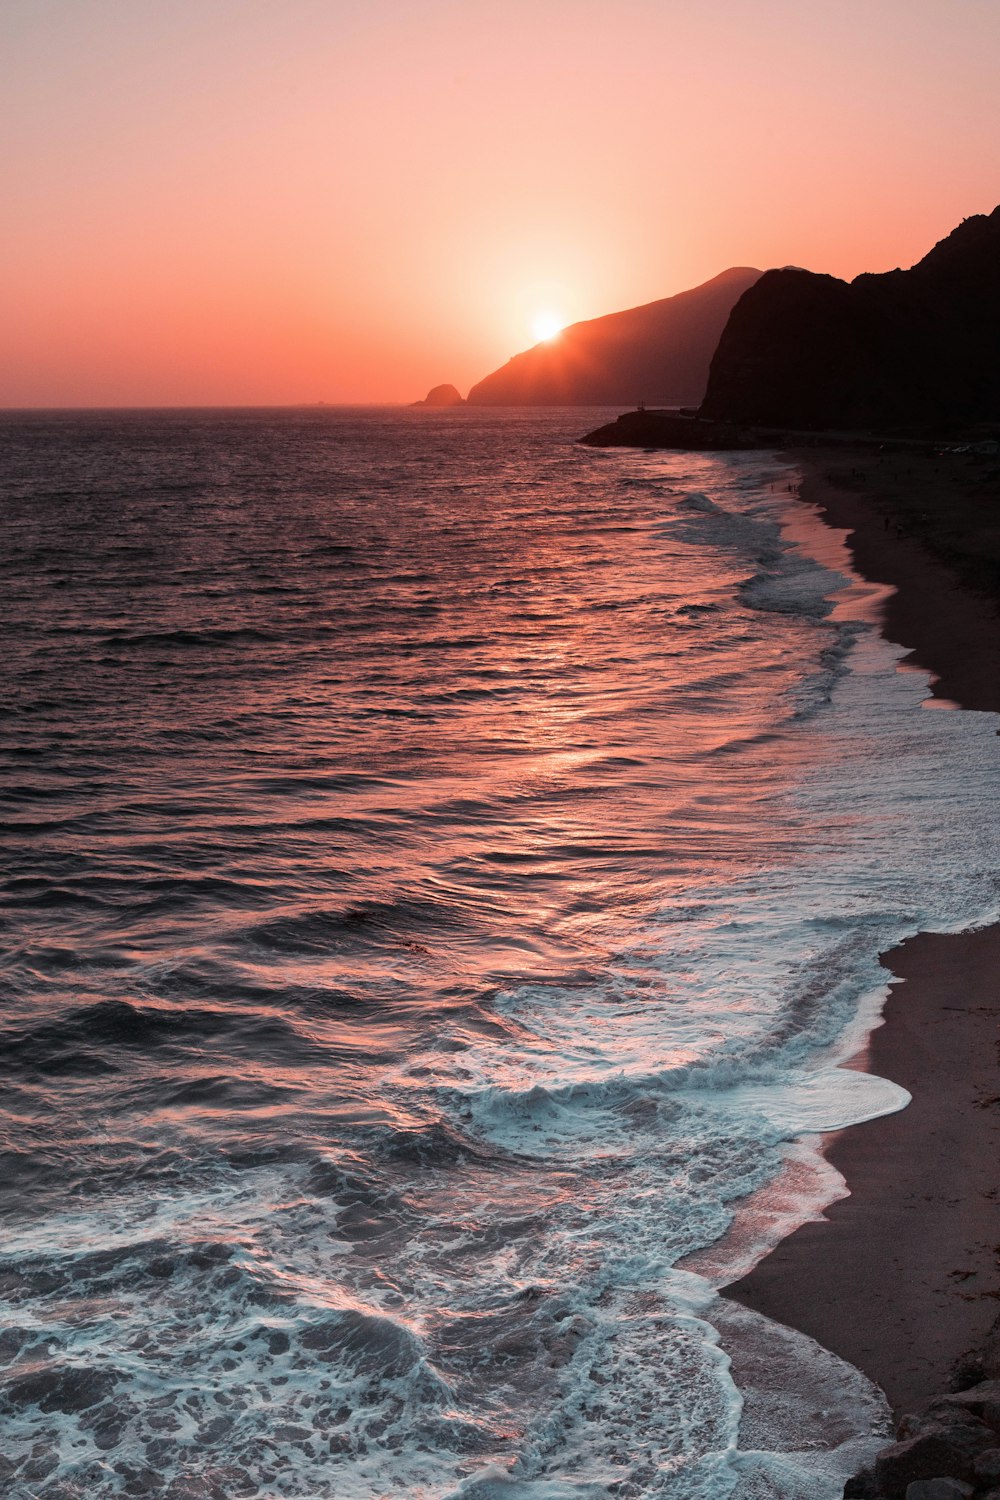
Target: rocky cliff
906,350
657,353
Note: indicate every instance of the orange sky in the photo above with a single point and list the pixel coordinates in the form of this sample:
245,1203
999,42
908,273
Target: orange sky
247,201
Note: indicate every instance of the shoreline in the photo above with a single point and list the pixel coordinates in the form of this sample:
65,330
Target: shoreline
902,1277
930,528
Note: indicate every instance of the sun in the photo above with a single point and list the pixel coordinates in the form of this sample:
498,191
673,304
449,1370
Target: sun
546,325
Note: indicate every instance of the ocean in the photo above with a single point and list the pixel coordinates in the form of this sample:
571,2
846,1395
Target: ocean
444,872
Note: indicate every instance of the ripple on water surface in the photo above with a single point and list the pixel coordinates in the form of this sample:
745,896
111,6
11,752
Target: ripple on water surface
443,869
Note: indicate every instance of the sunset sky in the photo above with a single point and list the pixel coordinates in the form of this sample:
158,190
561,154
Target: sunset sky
245,201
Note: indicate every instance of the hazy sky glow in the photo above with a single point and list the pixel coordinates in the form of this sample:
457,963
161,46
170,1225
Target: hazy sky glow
239,201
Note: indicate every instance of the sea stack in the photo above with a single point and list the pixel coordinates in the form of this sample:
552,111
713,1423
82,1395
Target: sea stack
441,395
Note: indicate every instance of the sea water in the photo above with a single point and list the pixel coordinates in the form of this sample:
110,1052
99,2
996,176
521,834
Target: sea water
444,872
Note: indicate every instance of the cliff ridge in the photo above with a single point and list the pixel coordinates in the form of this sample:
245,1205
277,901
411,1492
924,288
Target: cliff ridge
659,352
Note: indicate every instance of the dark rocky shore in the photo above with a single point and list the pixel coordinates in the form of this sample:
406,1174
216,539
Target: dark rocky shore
672,429
689,431
948,1449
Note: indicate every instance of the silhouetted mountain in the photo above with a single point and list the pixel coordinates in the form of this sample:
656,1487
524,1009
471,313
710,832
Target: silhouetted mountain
910,349
441,395
659,352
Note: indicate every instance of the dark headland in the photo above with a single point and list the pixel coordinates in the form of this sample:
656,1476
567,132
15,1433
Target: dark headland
887,392
903,356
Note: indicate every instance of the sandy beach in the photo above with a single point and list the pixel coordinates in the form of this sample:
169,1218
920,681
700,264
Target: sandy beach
930,527
903,1276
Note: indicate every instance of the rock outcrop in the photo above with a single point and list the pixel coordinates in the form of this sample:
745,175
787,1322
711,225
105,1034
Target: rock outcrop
907,350
657,353
949,1449
441,395
669,429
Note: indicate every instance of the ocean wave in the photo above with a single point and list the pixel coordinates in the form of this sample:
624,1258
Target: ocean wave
455,866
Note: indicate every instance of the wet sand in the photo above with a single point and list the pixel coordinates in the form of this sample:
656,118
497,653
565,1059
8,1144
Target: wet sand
903,1276
931,528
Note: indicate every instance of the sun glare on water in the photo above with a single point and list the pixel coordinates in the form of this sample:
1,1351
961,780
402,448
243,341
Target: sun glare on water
546,325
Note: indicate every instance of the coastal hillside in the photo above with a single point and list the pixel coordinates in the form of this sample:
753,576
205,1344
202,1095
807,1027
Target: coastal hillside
657,353
909,349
